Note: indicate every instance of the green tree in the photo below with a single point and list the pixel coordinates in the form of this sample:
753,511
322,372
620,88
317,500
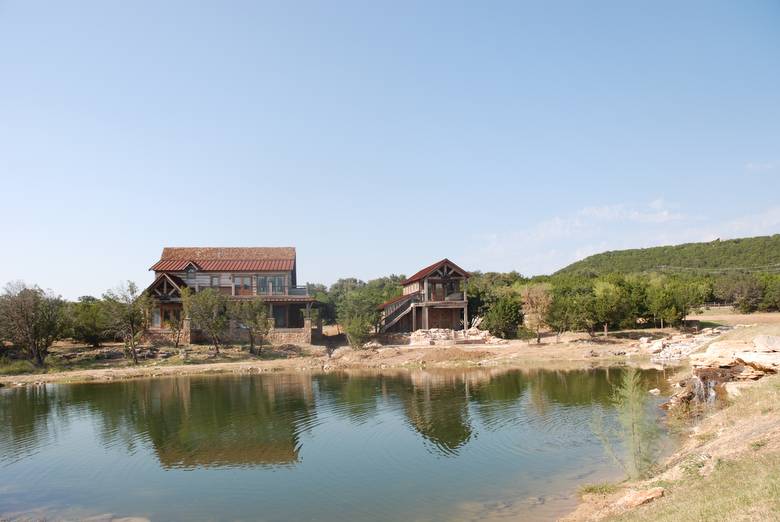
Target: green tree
687,295
661,303
609,303
770,298
89,321
252,315
637,429
127,311
31,319
504,317
357,314
570,311
207,311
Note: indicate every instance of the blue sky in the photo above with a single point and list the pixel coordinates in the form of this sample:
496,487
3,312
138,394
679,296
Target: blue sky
379,137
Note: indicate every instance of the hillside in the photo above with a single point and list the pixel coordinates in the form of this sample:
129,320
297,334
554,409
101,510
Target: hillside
754,254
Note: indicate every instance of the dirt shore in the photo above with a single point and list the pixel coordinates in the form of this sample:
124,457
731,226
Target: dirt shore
574,351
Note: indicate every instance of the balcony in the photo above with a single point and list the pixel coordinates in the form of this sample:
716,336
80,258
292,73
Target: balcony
438,297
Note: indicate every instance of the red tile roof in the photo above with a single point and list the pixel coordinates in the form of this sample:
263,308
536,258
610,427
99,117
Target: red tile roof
249,259
430,269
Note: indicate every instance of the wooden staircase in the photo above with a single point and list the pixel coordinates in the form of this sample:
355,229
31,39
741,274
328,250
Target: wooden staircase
397,310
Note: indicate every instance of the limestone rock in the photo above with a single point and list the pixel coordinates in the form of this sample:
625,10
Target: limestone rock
734,389
764,361
767,343
657,346
636,498
719,354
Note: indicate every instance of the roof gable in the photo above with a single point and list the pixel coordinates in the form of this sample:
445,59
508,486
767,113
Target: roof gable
447,267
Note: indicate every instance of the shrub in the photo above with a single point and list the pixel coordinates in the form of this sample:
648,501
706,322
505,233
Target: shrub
504,318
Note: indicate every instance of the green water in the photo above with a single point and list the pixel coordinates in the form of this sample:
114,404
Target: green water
470,445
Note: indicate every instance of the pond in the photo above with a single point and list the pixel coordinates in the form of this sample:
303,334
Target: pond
420,445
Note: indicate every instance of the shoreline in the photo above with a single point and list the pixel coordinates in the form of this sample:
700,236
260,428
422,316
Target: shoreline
559,356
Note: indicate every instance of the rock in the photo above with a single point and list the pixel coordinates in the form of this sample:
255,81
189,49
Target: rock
654,391
645,340
718,354
764,361
766,343
734,389
636,498
657,346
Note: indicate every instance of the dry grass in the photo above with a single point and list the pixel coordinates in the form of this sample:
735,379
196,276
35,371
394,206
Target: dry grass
602,488
746,489
741,479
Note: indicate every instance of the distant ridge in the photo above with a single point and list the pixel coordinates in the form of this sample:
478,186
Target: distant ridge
752,254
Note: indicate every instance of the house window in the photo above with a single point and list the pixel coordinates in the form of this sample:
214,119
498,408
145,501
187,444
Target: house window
214,281
278,282
156,317
270,285
242,285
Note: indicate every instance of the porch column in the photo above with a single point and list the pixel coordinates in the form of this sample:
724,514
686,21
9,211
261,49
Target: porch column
425,318
414,318
466,317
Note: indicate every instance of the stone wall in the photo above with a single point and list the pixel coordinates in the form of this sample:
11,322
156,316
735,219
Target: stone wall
275,336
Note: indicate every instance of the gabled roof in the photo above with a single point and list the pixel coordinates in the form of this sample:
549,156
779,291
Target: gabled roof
177,282
428,270
238,259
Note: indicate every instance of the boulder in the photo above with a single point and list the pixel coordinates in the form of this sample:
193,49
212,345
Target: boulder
734,389
657,346
645,340
764,361
636,498
766,343
719,354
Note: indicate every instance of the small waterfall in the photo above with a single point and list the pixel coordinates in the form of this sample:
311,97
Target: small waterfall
703,390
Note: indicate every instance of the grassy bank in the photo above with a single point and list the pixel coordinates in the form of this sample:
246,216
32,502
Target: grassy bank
727,469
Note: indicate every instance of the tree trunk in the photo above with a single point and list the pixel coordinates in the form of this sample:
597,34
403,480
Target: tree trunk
251,343
538,337
606,328
662,323
38,358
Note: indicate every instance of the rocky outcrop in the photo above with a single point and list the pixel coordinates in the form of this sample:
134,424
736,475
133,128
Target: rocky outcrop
767,343
634,498
725,367
680,346
445,336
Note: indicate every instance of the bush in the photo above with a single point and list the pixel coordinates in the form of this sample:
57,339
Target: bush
504,318
16,367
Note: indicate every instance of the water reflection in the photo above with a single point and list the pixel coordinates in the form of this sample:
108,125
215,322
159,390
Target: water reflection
258,420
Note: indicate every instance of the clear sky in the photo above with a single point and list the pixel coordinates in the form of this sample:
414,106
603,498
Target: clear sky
378,137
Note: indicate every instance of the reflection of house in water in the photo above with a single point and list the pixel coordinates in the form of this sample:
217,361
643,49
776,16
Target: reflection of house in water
439,412
245,421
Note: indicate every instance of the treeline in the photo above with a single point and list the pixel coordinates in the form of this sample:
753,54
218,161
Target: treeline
753,254
515,306
572,302
32,319
353,304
